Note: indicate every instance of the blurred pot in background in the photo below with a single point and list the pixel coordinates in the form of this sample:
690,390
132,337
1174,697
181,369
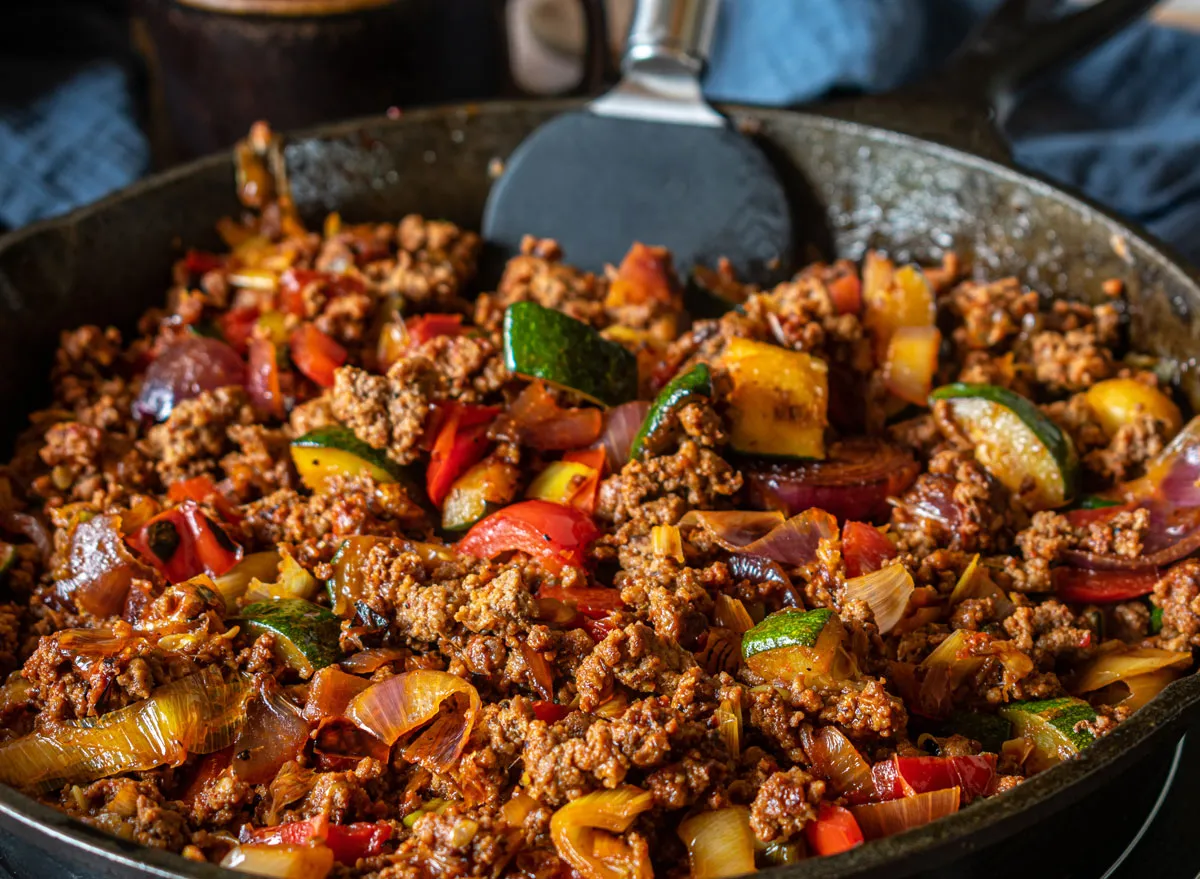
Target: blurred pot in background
218,65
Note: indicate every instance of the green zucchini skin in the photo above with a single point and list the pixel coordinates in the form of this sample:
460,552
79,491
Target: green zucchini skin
990,730
542,343
311,631
1062,714
1057,443
791,628
696,382
335,436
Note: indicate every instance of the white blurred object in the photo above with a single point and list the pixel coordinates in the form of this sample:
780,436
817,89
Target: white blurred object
547,40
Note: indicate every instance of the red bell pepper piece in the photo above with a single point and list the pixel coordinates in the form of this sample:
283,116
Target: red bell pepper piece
349,842
198,262
1100,587
316,354
550,532
865,548
209,767
846,294
909,776
597,629
591,601
549,711
262,379
586,496
202,490
237,326
461,441
834,831
424,327
182,542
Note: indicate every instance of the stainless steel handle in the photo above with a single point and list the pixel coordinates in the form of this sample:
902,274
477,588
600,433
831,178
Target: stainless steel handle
671,31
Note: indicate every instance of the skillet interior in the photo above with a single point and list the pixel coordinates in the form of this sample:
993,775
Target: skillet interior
853,186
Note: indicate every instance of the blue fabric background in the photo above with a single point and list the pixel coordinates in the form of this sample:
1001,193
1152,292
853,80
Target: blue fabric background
1123,124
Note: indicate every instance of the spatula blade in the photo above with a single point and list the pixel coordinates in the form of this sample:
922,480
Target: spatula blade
597,184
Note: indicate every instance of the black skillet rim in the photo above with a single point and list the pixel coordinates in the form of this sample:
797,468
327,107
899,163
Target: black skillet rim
922,848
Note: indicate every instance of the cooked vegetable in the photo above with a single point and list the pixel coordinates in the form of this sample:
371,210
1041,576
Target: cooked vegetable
560,482
291,581
461,441
1142,688
584,825
1124,662
887,591
263,384
408,701
543,424
777,405
186,369
893,298
348,842
865,548
281,861
837,761
973,776
835,830
1102,587
1116,401
552,533
621,425
791,644
274,733
912,359
878,820
479,492
729,725
197,714
990,730
183,542
720,843
348,563
696,382
423,327
1018,445
1053,727
331,690
326,452
306,634
540,342
99,568
731,613
854,481
666,543
791,541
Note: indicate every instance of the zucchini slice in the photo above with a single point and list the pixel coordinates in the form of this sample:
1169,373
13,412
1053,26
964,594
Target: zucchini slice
482,490
696,382
1049,724
540,342
794,644
332,451
990,730
1017,444
778,402
306,634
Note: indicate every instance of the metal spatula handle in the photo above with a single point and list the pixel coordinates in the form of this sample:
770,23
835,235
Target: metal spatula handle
675,31
668,45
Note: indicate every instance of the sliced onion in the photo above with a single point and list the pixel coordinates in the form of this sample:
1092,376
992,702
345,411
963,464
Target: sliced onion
262,566
281,861
621,424
720,844
791,541
1126,663
339,745
837,761
541,677
330,692
887,591
578,830
185,370
99,568
756,569
542,424
198,714
729,725
1177,467
273,734
854,481
731,614
366,662
878,820
1143,688
399,705
31,527
666,543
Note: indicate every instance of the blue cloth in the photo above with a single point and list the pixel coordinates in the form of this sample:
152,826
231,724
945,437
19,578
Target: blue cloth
1122,124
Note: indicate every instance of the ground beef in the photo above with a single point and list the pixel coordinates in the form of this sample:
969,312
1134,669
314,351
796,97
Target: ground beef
785,804
635,657
196,434
1070,361
1131,447
991,313
472,367
1047,630
539,275
955,505
388,412
1178,594
435,260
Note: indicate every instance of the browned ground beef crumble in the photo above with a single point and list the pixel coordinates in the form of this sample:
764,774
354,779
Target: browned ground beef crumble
643,686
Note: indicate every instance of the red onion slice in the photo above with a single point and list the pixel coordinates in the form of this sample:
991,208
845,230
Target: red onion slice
1174,534
793,541
621,425
185,370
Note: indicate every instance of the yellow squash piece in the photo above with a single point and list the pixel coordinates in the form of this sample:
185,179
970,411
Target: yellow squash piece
560,481
326,452
778,402
1116,401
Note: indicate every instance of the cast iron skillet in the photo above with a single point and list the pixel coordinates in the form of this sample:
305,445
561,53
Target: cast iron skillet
854,186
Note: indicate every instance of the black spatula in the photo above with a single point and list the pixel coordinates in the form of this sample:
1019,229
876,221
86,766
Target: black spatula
649,161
